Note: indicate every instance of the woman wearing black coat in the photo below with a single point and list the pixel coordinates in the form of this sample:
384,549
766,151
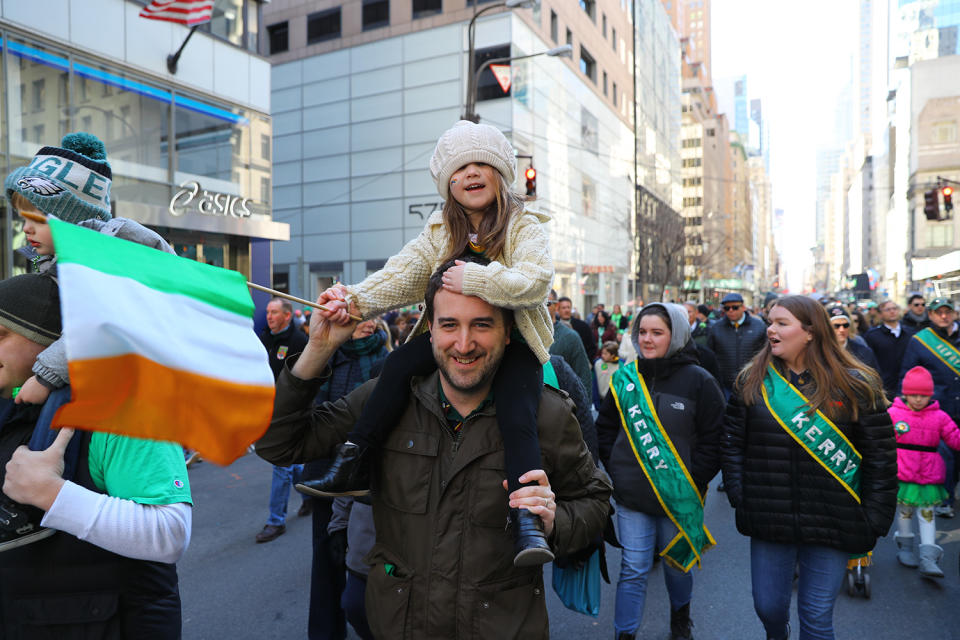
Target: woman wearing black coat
688,403
809,487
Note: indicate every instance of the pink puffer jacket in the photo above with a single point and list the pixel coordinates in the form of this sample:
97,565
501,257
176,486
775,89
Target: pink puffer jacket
924,428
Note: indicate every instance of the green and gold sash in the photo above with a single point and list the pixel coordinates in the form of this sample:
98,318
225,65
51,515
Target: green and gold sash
671,482
940,348
815,433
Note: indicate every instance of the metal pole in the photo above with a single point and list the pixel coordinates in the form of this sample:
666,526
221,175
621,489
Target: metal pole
471,100
173,59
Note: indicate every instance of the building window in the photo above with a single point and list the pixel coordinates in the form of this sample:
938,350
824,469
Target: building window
590,8
39,91
323,25
588,66
423,8
589,197
615,94
264,146
376,14
278,36
604,21
711,133
554,27
944,132
265,190
605,83
569,37
589,131
487,86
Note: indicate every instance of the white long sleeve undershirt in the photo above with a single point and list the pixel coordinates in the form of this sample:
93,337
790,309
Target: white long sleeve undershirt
160,533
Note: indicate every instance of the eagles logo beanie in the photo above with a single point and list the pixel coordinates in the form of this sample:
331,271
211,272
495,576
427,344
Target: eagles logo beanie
466,142
71,182
30,306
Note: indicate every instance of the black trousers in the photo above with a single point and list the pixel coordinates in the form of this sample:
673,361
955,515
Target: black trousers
516,389
326,620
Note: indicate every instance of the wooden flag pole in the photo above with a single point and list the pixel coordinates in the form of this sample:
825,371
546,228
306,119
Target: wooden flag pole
296,299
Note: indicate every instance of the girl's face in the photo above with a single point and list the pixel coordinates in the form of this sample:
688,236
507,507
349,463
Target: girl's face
475,186
788,338
917,402
653,337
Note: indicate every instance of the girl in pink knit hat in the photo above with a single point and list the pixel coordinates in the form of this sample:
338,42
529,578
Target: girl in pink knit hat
920,425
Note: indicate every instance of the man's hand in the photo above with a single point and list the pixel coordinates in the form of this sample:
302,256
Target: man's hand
453,277
35,477
326,336
32,392
539,499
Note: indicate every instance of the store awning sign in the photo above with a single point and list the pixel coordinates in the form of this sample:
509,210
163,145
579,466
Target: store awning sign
191,197
502,73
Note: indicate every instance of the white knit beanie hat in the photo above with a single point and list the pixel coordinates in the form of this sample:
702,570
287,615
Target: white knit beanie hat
466,142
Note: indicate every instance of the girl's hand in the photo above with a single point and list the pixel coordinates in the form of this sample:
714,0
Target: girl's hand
453,277
334,299
32,392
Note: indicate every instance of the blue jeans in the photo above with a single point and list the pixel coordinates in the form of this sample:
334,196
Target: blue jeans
821,571
642,535
283,480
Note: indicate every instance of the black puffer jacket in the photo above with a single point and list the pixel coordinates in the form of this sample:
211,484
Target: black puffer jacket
782,494
690,405
734,346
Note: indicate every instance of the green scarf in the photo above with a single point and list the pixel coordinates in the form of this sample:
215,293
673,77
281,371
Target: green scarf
940,348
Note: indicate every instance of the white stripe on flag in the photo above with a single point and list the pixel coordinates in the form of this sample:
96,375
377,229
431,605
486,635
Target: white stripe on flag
187,12
107,316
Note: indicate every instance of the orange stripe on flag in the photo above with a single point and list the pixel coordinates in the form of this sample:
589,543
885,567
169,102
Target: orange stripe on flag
134,396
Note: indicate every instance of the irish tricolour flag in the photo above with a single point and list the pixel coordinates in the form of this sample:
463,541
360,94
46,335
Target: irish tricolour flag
159,346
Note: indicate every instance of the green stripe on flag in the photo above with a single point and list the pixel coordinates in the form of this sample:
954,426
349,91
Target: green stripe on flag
156,269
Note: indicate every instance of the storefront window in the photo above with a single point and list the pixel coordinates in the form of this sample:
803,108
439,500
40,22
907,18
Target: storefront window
35,79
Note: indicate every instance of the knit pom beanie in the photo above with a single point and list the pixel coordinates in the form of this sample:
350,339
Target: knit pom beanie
917,382
71,182
466,142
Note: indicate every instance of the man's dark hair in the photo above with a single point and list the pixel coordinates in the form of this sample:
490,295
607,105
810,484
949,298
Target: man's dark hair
435,284
913,297
564,299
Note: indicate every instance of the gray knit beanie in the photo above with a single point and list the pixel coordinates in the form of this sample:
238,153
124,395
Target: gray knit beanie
71,182
466,142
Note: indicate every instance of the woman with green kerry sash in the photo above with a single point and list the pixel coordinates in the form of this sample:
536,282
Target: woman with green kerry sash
659,429
809,463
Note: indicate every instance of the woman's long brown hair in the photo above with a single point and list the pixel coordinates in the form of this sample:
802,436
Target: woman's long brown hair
492,233
838,393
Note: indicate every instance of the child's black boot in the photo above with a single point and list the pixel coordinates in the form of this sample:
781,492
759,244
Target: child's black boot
348,475
529,543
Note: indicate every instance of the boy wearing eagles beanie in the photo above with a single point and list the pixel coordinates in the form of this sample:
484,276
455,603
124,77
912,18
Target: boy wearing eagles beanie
71,182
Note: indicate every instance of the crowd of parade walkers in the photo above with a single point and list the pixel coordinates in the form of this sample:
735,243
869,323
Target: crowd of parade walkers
446,452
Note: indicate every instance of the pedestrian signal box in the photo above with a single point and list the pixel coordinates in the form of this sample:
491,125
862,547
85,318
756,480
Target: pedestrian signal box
931,204
531,176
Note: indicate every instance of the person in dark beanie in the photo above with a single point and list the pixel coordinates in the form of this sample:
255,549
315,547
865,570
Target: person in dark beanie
91,523
72,183
735,338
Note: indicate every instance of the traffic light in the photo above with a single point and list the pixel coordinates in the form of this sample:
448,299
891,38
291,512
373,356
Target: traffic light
531,176
931,204
947,198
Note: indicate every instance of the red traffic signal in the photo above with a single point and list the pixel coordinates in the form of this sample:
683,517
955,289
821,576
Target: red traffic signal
947,198
531,175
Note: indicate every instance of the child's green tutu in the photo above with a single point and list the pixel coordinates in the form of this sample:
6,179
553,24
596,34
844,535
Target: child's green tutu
921,495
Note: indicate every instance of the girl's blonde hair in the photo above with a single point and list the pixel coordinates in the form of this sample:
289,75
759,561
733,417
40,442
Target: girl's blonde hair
492,233
843,384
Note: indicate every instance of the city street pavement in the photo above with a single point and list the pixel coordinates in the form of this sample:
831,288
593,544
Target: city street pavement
234,588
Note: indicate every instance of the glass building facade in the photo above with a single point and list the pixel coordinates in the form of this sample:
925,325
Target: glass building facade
195,169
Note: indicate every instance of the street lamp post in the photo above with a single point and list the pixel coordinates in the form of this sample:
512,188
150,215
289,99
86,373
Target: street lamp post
471,28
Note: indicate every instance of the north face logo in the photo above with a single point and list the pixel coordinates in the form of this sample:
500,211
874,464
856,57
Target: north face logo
678,406
40,186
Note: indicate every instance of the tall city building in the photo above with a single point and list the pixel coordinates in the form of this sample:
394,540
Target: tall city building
191,151
362,91
741,114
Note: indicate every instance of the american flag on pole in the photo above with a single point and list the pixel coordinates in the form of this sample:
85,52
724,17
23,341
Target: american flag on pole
187,12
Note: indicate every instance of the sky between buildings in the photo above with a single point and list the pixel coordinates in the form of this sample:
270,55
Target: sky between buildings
797,57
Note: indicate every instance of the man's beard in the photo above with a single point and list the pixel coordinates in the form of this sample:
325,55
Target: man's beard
483,377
